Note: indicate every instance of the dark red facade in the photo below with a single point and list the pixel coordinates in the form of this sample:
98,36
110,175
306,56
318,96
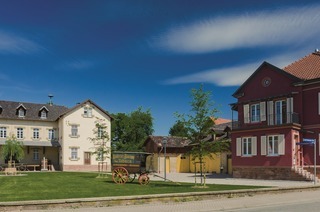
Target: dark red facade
276,110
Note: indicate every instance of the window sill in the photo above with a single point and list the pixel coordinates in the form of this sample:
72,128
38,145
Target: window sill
74,136
74,159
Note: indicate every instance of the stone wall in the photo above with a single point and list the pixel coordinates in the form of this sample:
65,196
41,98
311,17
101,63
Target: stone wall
267,173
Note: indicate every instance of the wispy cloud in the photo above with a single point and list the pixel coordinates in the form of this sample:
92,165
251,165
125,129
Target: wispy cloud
77,65
236,75
265,28
11,43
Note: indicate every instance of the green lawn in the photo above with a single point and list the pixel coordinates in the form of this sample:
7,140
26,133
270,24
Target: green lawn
61,185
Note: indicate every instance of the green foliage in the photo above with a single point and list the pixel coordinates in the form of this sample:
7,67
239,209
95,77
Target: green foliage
129,131
12,149
178,129
199,125
100,140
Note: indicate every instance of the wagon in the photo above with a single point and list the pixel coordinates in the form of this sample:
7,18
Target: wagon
127,165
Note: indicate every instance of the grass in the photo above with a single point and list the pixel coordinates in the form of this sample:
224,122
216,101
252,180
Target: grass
66,185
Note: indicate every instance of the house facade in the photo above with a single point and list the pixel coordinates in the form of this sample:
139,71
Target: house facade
55,134
277,109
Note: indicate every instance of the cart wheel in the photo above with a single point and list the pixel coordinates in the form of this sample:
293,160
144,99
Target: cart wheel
143,179
120,175
131,178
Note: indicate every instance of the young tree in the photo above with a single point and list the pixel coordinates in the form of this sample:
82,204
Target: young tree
12,149
178,129
199,125
101,139
129,131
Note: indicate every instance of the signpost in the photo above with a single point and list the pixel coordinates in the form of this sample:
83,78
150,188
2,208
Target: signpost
308,141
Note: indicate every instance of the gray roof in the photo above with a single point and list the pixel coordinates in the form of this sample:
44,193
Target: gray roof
8,110
172,141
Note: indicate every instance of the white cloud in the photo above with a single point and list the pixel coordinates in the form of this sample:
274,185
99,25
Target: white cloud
14,44
234,76
266,28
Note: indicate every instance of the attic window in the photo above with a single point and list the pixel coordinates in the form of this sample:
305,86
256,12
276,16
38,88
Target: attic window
87,112
21,112
43,113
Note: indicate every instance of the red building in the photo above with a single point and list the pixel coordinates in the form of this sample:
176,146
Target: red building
277,109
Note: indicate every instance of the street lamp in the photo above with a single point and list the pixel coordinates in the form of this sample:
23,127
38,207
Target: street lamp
164,142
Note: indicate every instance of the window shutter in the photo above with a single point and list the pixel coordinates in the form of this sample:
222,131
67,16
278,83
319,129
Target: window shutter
238,147
262,111
270,113
263,145
289,109
281,145
246,114
254,145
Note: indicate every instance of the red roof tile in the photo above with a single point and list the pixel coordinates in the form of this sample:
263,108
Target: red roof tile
306,68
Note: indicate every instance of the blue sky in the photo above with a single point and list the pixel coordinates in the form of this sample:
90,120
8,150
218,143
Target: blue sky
123,54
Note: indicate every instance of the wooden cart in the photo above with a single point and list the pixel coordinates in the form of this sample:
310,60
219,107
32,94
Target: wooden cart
127,165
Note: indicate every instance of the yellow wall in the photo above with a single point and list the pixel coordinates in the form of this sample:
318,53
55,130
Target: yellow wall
181,163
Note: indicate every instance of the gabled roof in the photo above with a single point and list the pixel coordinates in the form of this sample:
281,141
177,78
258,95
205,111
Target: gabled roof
263,65
9,109
83,103
172,141
306,68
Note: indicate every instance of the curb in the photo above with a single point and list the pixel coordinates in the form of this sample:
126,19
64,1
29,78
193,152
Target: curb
142,199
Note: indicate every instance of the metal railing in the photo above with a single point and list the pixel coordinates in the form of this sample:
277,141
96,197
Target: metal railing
269,120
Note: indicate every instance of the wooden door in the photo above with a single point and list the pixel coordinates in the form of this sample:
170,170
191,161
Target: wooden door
87,158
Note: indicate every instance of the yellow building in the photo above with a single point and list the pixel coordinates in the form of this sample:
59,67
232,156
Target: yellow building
171,152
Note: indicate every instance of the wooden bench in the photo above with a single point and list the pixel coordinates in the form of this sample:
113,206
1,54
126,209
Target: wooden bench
10,171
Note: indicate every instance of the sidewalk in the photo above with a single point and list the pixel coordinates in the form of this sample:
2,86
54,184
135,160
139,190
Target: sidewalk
226,179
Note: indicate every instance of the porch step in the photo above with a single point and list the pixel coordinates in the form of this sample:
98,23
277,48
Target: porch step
305,174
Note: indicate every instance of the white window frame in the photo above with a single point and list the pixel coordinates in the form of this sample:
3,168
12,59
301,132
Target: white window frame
255,113
242,146
74,153
44,114
51,134
273,145
3,132
270,151
247,146
87,112
21,112
36,133
74,130
19,133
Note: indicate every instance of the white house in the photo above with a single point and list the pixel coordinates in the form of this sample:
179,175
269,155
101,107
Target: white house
56,133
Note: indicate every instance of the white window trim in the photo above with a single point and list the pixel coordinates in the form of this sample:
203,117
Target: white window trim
239,146
256,118
77,158
4,132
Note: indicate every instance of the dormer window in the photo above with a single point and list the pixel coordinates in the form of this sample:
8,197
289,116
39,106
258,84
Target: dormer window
43,113
21,111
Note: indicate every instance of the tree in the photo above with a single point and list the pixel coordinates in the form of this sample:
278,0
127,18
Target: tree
199,125
100,141
129,131
12,149
178,129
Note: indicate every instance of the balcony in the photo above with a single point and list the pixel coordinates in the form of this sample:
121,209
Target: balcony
269,120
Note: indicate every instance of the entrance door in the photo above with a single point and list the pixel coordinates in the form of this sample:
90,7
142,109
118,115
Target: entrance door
87,158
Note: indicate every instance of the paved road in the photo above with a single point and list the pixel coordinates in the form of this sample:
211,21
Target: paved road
290,201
